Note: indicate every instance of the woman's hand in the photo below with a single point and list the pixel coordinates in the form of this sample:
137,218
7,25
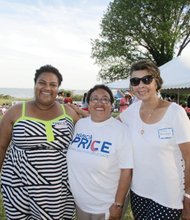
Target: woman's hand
115,212
79,111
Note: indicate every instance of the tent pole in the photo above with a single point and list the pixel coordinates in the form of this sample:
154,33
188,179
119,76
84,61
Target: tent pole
178,96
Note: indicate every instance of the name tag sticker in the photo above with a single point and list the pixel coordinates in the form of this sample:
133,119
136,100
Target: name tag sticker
60,124
165,133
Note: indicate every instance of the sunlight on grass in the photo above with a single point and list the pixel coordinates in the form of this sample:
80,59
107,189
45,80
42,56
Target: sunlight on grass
2,212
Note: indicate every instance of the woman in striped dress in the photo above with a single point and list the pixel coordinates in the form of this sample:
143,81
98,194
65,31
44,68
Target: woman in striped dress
34,169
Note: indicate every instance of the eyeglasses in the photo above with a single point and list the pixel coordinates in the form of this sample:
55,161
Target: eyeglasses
145,79
104,100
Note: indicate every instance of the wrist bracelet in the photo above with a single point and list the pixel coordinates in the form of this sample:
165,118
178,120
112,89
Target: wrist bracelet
119,205
187,195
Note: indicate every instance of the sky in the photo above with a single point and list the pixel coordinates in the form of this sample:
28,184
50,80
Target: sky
57,32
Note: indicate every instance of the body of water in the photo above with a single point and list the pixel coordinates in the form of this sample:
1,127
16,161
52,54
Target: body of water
17,92
28,93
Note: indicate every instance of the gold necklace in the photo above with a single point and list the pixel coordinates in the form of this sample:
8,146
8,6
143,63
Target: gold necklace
142,130
142,127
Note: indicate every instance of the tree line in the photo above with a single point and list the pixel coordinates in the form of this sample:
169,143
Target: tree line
140,29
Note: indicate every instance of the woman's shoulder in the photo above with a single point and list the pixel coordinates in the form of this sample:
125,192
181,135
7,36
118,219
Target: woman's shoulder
13,113
16,109
174,106
117,124
173,110
133,107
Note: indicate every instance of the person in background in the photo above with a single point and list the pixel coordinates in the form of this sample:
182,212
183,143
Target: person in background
34,173
184,105
125,102
160,133
3,109
68,98
188,101
100,160
167,98
84,102
60,97
134,99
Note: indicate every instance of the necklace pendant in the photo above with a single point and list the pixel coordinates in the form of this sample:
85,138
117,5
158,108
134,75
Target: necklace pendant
142,131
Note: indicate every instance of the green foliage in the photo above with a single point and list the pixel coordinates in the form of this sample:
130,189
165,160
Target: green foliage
128,215
6,99
132,30
115,114
65,91
77,97
9,100
182,96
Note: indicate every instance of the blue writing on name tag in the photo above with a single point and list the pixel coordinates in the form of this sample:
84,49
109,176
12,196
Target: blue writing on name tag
165,133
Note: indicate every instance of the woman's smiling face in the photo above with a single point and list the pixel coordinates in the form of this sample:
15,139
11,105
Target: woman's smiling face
46,88
100,106
144,91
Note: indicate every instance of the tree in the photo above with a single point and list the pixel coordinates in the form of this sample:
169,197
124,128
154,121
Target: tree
137,29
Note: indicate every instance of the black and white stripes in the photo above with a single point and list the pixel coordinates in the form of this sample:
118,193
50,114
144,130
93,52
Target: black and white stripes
34,176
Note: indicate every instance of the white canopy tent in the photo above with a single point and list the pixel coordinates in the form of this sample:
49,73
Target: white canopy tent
119,84
176,74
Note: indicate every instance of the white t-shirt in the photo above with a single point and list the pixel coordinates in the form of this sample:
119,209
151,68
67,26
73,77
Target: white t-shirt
158,164
95,157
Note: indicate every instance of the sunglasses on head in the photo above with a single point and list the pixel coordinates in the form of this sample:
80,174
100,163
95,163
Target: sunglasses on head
145,79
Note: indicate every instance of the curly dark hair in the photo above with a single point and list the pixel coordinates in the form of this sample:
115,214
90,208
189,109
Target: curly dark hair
48,68
100,86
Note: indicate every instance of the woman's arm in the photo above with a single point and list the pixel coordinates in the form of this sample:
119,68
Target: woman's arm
6,124
185,150
123,188
78,111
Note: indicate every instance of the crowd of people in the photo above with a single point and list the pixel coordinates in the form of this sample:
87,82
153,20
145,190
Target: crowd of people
59,161
64,99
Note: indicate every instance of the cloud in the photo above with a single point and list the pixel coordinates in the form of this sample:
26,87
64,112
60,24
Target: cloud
40,33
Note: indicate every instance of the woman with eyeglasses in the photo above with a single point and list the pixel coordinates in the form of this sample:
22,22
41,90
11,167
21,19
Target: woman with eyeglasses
160,133
100,160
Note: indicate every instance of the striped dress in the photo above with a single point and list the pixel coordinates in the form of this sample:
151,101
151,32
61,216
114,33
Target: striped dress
34,175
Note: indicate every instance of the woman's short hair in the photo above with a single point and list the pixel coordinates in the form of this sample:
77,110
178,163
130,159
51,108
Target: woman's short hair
100,86
48,68
151,68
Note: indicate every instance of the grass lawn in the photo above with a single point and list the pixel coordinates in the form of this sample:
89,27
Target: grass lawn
2,213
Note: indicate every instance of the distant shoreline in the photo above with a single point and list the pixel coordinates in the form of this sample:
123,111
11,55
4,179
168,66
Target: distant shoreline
29,92
17,92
